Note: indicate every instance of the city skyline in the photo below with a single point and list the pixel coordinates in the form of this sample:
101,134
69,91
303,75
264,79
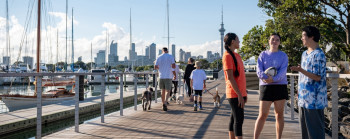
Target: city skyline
193,29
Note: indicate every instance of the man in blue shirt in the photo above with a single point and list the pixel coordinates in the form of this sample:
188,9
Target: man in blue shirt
312,89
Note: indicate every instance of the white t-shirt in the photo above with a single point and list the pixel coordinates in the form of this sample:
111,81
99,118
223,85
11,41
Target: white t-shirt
177,71
164,63
198,76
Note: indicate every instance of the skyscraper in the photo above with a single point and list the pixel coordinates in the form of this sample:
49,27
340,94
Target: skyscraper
28,60
101,58
182,56
222,31
187,55
132,53
173,50
113,54
6,60
152,52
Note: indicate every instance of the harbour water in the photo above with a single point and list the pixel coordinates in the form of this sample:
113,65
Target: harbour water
89,91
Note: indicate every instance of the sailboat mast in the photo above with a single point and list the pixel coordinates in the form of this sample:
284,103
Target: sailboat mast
38,38
65,64
167,4
72,44
91,57
56,53
7,30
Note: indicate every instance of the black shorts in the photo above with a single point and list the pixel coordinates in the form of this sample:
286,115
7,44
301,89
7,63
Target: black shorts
198,92
273,92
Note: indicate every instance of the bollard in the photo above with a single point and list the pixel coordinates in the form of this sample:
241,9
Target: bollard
155,88
76,99
103,90
135,92
334,82
121,95
292,97
39,106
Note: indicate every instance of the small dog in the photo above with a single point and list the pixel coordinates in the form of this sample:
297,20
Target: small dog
179,99
216,98
147,99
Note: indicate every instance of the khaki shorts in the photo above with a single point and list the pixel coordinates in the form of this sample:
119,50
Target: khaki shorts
165,84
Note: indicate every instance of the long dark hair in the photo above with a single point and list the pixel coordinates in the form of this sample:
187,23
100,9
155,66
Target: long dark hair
228,40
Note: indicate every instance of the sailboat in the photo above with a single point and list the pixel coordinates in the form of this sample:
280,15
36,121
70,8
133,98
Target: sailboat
17,101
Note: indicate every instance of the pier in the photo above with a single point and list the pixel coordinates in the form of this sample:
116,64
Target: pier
180,121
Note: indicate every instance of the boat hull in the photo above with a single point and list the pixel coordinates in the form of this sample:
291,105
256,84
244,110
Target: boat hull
15,103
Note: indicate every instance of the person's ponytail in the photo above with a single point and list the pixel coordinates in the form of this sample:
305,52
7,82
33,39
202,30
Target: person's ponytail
228,39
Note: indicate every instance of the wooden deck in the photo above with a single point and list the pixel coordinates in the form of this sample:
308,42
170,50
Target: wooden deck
180,121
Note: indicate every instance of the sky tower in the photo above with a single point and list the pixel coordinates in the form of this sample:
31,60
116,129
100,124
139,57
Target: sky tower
222,31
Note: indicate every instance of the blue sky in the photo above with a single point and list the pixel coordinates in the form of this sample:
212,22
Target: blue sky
194,24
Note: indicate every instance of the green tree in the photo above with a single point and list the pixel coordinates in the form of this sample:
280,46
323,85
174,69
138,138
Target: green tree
205,63
217,64
90,65
81,64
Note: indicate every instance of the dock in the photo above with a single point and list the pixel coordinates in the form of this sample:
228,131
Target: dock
180,121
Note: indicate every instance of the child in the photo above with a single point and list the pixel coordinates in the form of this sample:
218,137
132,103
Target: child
198,78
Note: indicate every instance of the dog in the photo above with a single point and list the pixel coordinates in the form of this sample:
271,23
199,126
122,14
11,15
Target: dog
147,99
179,98
216,98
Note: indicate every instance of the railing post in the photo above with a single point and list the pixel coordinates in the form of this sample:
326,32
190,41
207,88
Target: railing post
121,95
103,89
156,92
334,82
135,93
76,99
147,78
39,106
292,97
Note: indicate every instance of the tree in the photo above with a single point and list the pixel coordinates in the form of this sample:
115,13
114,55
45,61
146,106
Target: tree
217,64
90,65
205,63
81,64
330,16
288,19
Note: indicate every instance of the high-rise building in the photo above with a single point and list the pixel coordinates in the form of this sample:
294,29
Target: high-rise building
152,52
28,60
209,54
6,60
182,56
147,51
200,57
101,58
160,52
113,54
80,58
132,53
173,50
187,55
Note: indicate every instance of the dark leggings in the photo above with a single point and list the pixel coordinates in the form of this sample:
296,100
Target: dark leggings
189,90
175,88
237,116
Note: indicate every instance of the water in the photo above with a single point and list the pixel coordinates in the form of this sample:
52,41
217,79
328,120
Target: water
89,91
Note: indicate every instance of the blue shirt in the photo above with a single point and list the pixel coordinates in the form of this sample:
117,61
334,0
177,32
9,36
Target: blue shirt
313,94
267,59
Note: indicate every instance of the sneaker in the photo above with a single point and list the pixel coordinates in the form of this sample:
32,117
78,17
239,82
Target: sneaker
165,107
167,103
200,107
195,107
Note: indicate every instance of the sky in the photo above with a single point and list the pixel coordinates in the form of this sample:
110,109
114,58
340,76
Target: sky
193,26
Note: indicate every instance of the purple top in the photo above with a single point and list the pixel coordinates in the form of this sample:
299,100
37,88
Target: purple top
267,59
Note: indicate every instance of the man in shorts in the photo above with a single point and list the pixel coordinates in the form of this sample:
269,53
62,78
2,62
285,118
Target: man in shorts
165,63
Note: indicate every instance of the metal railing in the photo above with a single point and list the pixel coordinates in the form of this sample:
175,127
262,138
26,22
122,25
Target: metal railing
333,78
39,77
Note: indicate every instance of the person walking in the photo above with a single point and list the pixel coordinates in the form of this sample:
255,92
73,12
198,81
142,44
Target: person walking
175,82
236,93
273,88
164,63
189,68
198,78
312,89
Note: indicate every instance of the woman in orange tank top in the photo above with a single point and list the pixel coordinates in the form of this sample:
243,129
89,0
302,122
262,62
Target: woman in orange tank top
235,84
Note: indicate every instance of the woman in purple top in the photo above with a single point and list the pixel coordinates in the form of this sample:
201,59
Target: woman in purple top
273,86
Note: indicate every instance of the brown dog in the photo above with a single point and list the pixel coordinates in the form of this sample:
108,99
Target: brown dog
216,98
147,99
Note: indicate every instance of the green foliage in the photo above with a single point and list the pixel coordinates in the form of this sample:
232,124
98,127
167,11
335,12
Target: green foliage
214,64
288,19
205,63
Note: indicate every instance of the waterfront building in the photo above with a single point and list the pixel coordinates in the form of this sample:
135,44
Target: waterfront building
28,60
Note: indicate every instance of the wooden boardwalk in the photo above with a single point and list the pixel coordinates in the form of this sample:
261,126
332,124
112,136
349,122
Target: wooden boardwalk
180,121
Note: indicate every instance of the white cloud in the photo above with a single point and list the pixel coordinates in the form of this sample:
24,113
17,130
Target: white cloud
82,45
